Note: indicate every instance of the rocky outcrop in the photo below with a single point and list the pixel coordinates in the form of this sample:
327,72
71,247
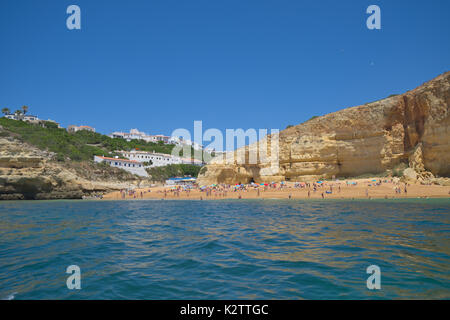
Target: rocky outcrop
412,128
29,173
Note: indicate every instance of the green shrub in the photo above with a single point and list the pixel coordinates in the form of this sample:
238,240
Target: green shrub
173,170
81,145
50,125
203,170
397,171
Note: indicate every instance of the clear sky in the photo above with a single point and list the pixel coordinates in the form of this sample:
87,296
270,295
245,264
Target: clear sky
158,65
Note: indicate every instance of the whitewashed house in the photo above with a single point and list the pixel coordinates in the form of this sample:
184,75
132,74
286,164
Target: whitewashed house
30,118
132,166
157,159
11,116
135,134
23,117
158,137
73,128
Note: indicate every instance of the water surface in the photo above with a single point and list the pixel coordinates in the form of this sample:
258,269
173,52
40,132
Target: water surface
230,249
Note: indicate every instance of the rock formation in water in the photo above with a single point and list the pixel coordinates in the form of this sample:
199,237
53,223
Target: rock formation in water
29,173
412,128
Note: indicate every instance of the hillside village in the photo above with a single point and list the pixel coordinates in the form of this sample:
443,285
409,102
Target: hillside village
134,161
21,115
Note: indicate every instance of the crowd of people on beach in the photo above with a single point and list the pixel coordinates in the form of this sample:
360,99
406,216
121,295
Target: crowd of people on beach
132,193
315,189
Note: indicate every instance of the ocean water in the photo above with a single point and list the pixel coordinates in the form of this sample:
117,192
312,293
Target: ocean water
230,249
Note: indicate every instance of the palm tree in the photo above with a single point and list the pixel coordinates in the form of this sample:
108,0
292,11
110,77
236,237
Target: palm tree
6,111
24,109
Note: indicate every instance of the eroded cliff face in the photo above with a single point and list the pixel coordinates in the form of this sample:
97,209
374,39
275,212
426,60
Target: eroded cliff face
413,128
29,173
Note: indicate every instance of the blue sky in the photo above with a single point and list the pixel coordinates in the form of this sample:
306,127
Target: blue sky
158,65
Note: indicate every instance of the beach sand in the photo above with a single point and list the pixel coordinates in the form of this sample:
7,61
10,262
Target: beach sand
364,189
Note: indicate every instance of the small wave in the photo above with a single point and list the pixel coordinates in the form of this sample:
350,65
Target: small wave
11,296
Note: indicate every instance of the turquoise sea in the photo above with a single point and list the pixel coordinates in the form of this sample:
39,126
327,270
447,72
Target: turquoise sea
230,249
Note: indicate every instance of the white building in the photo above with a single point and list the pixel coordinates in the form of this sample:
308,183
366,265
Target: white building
22,117
29,118
134,167
179,141
158,138
11,116
73,128
135,134
117,134
157,159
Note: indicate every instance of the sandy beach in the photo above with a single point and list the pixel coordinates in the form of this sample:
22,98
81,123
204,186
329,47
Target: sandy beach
344,189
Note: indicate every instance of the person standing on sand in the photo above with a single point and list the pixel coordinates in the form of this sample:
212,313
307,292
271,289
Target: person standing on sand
323,196
367,192
309,193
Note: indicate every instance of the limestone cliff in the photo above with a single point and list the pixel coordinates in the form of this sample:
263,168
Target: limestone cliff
413,128
29,173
